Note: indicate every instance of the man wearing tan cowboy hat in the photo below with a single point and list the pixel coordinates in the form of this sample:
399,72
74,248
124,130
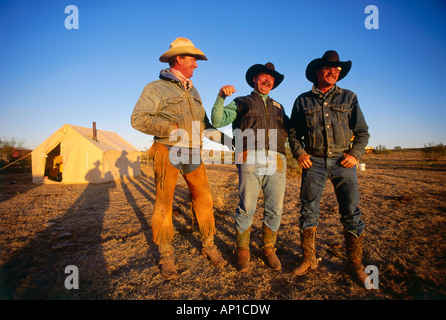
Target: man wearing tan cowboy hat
324,121
260,130
171,110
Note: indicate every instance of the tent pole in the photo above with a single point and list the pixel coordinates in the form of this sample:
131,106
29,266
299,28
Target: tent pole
95,135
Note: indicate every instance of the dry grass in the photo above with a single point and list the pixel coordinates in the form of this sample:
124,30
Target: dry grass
105,231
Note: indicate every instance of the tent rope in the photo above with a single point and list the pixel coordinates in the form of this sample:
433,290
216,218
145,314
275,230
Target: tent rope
15,161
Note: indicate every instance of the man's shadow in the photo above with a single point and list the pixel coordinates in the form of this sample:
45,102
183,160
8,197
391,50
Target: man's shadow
37,271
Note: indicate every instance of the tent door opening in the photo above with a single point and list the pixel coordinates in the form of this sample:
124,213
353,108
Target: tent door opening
54,165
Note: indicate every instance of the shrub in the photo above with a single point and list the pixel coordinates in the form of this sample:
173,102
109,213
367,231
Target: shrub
434,152
381,150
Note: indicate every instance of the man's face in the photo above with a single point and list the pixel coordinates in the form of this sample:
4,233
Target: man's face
263,83
186,65
327,76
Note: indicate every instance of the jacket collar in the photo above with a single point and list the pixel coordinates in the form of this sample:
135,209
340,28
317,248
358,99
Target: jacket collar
167,74
264,97
334,90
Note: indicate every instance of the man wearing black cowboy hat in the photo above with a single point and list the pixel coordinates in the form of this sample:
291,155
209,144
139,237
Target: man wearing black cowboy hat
329,136
260,130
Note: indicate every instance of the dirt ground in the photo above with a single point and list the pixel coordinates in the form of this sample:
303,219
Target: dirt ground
104,230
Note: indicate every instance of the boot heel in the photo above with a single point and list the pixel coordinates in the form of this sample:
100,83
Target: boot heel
214,256
243,258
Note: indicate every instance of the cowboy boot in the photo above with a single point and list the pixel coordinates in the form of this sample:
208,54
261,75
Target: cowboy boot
243,255
210,251
269,240
167,262
354,256
308,244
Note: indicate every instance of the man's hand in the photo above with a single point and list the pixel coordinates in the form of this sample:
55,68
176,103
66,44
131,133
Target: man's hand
173,127
226,91
348,161
304,161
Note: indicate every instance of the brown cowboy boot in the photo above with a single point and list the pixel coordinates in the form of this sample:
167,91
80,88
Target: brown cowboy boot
354,256
167,262
210,251
243,255
269,240
308,244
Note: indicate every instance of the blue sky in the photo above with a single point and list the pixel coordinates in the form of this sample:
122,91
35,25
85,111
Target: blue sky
51,75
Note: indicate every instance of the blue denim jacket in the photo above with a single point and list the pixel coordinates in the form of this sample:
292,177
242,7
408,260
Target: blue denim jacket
325,126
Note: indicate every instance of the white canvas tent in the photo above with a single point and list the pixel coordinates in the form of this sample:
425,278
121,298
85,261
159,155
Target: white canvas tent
84,159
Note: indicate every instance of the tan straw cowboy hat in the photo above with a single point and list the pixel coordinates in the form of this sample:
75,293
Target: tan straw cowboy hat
182,46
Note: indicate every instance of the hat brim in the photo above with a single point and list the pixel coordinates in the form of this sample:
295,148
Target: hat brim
185,50
260,68
316,64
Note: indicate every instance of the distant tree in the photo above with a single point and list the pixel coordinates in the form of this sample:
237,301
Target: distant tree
8,146
381,150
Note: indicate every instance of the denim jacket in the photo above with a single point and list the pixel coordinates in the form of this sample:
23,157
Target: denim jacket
325,126
165,105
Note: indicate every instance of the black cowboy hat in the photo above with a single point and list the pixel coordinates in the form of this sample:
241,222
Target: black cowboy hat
260,68
329,59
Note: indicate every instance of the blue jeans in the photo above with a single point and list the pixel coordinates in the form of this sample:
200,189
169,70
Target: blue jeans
256,173
345,185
